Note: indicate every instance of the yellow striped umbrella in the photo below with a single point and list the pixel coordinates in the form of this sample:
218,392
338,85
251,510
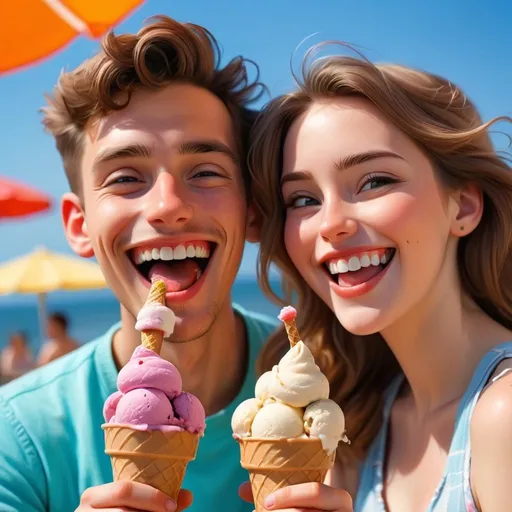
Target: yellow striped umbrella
42,271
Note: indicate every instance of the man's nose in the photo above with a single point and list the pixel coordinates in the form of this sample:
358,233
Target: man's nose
337,222
167,202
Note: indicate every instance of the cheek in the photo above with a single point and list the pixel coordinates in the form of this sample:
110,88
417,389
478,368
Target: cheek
406,215
113,215
299,240
227,209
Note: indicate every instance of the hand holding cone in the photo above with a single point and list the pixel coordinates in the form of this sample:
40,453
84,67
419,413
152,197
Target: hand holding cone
287,316
153,339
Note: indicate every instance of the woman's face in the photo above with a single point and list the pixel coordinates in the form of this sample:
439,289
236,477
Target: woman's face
368,225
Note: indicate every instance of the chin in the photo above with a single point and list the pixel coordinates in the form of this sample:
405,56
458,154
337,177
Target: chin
360,320
192,324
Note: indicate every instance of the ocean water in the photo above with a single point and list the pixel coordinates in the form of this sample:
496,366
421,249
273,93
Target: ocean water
92,312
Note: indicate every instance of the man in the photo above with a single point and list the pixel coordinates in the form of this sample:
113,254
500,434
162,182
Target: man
59,343
152,134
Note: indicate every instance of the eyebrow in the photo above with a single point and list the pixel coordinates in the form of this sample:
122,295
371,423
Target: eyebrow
361,158
186,148
131,150
342,165
296,176
200,147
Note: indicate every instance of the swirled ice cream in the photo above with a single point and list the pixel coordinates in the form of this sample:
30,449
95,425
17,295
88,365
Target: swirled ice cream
292,400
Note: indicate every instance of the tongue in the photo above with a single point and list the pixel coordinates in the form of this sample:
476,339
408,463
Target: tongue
177,275
359,276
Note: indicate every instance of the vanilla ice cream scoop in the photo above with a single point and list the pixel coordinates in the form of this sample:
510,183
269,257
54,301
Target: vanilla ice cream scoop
262,386
278,420
242,418
325,419
297,380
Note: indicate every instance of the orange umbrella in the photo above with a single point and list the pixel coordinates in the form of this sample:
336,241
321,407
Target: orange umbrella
18,200
35,29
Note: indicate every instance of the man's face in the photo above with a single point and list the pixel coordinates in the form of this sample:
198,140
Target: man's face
163,196
53,329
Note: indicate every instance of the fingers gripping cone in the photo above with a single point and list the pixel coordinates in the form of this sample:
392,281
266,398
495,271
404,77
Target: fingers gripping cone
287,316
153,339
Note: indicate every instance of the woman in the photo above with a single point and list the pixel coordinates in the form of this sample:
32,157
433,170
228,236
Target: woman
16,358
390,215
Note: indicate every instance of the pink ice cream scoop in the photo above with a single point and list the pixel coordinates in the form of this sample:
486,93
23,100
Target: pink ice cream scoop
149,392
287,313
150,396
110,406
144,407
189,412
147,370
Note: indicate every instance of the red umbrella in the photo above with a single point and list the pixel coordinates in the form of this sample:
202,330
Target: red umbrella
19,200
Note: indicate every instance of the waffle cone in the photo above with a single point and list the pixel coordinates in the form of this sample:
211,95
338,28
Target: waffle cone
153,457
153,339
292,332
276,463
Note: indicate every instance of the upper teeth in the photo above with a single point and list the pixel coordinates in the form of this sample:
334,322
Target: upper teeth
168,253
356,262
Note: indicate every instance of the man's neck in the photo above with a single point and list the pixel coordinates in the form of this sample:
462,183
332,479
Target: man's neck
202,363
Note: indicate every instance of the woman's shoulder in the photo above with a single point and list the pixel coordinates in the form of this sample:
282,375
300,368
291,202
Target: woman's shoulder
491,443
493,411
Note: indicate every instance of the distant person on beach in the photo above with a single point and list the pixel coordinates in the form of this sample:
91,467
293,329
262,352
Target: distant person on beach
153,135
16,358
59,341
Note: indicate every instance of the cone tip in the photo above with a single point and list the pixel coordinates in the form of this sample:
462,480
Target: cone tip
287,314
157,291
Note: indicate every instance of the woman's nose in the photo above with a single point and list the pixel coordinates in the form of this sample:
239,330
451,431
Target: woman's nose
337,222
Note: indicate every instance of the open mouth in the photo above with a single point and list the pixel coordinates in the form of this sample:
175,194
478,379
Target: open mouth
359,268
179,266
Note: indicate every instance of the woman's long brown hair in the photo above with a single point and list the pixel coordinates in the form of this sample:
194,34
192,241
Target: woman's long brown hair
445,124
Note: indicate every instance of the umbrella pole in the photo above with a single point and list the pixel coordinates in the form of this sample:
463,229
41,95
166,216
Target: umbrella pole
41,312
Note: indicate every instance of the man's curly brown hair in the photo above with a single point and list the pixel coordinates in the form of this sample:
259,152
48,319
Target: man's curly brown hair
164,51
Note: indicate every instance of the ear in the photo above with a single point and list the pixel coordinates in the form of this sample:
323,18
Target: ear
75,226
253,224
470,203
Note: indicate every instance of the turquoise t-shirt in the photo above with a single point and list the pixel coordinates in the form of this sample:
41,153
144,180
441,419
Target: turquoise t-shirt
52,444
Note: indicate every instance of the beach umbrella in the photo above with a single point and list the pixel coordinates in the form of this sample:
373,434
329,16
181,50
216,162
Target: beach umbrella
41,272
33,30
19,200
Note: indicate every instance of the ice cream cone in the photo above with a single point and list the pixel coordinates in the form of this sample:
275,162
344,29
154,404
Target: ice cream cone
276,463
153,339
155,457
293,333
287,316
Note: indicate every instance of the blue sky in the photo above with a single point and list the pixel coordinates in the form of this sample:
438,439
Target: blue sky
466,40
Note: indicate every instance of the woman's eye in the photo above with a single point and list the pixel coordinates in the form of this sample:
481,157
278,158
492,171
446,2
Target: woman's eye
373,182
301,202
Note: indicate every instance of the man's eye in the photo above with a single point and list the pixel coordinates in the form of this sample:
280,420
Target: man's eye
125,179
206,174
